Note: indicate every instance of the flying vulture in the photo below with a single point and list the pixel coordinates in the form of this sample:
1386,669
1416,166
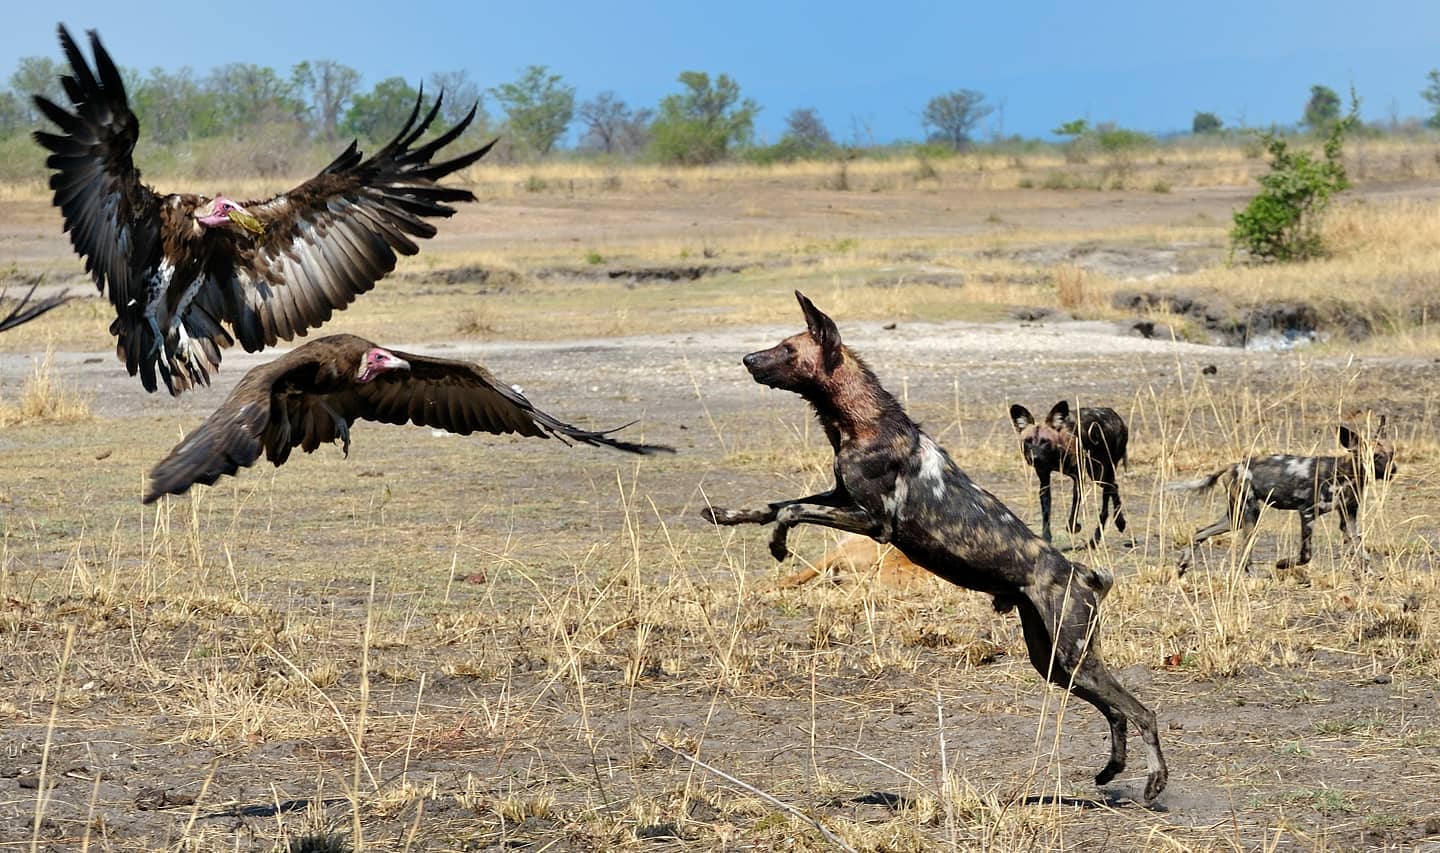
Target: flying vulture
22,313
190,274
312,394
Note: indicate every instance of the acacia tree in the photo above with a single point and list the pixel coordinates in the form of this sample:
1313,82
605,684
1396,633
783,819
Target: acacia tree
1431,94
953,115
702,123
460,93
806,130
538,106
612,126
174,106
1206,123
1322,111
327,87
36,75
12,117
381,112
249,95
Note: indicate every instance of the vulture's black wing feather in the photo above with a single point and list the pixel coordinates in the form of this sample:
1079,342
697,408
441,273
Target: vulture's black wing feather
308,397
462,397
330,239
25,311
113,219
234,435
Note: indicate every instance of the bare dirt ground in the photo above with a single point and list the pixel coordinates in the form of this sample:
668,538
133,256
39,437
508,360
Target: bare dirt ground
449,643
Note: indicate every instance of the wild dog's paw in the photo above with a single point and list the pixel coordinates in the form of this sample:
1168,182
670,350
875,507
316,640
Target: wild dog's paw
1155,783
716,515
778,547
1120,521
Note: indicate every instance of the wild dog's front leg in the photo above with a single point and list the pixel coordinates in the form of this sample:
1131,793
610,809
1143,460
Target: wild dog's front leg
1350,528
1074,524
1307,529
727,517
849,519
1044,504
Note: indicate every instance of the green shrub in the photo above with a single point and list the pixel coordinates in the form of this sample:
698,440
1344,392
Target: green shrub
1282,223
1112,139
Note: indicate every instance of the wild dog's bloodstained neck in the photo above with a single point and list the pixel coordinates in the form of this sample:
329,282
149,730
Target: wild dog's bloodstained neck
850,401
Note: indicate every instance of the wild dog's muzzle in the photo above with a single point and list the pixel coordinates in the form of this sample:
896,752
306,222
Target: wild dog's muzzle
767,366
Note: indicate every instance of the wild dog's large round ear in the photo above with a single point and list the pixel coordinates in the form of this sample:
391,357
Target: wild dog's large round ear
1021,417
1348,439
1060,416
823,330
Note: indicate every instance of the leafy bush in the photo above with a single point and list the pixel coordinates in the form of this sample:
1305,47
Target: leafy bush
1282,223
703,123
1112,139
790,149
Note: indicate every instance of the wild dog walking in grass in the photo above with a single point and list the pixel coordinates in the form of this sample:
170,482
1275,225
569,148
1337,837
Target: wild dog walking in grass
894,484
1310,485
1096,442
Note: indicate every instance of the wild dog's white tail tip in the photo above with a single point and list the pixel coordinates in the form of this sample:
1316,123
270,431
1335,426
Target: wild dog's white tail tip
1195,485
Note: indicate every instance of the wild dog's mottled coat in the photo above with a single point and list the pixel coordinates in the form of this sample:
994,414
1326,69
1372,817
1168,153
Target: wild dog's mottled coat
1309,485
1098,442
895,484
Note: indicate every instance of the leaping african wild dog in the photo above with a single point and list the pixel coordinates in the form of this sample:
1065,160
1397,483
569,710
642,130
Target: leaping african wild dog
1310,485
894,484
1061,444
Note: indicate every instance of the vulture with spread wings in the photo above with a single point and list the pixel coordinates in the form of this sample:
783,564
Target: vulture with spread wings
188,274
312,394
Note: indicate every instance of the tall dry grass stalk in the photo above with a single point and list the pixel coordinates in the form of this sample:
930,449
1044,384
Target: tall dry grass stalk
45,397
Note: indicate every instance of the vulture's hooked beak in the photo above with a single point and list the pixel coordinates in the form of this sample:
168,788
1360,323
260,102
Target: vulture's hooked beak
378,361
242,217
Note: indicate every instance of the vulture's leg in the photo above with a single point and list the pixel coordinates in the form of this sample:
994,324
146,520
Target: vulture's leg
342,428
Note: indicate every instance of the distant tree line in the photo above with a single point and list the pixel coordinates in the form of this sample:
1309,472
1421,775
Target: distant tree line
707,120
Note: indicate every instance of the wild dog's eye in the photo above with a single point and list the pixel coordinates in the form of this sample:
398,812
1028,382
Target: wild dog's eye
789,349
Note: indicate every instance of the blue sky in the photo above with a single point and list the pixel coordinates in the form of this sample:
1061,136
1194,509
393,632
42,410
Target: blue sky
864,66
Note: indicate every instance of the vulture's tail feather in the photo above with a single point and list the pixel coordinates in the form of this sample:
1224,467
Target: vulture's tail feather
597,438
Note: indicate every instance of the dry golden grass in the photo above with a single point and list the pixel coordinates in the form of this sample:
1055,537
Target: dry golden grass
456,644
46,397
1166,167
448,668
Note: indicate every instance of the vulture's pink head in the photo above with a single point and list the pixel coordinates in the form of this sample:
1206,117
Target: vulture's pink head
223,211
218,213
376,362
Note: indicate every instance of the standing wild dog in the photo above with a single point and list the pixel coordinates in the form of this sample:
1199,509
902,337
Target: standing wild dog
1310,485
894,484
1059,445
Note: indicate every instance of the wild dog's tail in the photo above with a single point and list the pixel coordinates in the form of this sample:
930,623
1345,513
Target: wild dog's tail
1099,579
1197,485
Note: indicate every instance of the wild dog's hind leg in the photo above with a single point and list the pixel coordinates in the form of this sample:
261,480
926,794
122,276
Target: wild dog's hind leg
1070,658
1112,488
1109,494
1242,517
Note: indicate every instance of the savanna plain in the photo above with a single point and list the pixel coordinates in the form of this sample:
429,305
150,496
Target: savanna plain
486,643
